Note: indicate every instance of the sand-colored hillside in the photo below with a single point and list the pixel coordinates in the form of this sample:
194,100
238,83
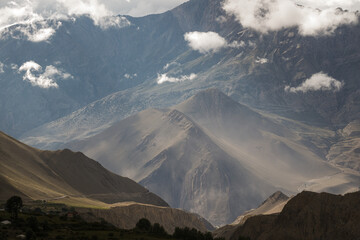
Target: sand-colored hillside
63,175
216,157
126,215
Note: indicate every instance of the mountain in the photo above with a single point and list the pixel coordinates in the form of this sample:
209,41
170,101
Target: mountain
63,176
308,216
167,152
72,178
273,204
216,157
99,94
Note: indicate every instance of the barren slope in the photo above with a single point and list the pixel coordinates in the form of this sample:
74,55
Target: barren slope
218,159
172,156
287,153
308,216
63,175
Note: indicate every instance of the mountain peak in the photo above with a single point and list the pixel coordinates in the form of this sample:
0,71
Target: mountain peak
210,101
276,197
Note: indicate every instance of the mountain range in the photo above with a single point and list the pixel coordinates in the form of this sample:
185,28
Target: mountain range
216,157
118,72
72,178
213,131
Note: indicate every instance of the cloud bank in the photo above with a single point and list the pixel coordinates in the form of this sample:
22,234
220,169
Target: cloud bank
206,42
162,78
38,20
43,79
317,82
273,15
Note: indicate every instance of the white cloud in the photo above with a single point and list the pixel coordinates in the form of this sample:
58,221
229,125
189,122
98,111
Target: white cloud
20,20
96,10
130,76
206,42
171,65
1,67
317,82
38,20
273,15
261,60
165,78
44,79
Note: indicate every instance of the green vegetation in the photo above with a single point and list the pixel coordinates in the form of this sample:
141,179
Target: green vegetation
13,205
59,222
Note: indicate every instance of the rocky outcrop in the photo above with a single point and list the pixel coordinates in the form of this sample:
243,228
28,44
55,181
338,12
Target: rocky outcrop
308,216
273,204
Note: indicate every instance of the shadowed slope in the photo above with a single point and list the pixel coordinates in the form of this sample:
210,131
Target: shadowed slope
308,216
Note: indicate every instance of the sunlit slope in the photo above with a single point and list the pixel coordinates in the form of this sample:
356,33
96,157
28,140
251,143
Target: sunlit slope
62,175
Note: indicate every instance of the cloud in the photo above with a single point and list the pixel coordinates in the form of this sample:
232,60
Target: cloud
38,20
21,21
130,76
171,65
206,42
273,15
165,78
2,67
317,82
46,78
96,10
261,60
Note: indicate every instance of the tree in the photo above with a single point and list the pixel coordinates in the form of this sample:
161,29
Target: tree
13,206
144,224
158,230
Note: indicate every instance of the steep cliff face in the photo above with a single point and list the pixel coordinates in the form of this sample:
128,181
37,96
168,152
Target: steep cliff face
308,216
126,217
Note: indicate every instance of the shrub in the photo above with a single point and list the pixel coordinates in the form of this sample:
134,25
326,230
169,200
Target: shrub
144,225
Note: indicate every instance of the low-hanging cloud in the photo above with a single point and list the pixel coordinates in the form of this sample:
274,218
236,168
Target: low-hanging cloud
20,21
43,79
162,78
38,20
206,42
2,67
317,82
273,15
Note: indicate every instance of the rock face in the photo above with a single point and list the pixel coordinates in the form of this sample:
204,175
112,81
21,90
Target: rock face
346,151
274,204
126,217
308,216
63,175
214,156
